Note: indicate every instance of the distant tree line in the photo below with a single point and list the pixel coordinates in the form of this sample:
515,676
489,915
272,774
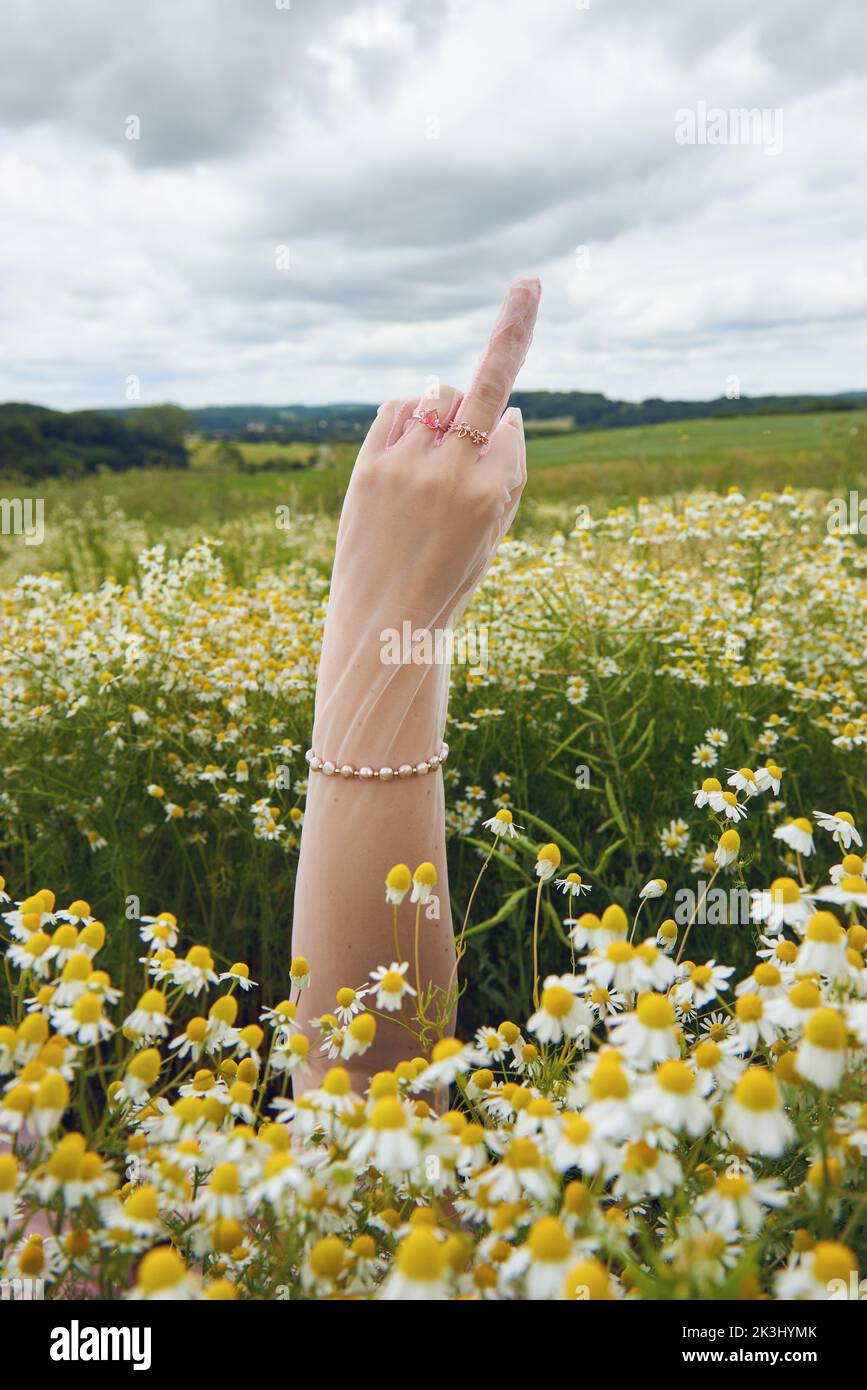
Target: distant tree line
592,410
40,443
585,409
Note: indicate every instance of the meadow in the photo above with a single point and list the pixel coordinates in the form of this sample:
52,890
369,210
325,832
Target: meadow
627,1119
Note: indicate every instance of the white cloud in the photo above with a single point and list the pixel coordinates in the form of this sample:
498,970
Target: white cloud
309,128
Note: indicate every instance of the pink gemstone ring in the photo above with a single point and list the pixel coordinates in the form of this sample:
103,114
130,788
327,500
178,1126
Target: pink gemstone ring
427,417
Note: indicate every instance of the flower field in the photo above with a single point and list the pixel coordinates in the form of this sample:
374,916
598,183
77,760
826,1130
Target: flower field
654,802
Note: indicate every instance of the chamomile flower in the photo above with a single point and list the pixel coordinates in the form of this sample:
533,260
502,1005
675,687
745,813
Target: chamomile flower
717,1067
769,777
649,1034
299,973
614,967
784,904
841,826
195,972
850,891
390,1140
159,931
699,984
397,884
728,848
502,823
818,1274
743,779
420,1270
654,888
561,1013
646,1171
754,1025
754,1115
727,804
547,862
544,1259
450,1059
579,1146
163,1276
358,1036
823,948
821,1055
737,1203
572,885
797,834
424,881
671,1097
390,986
709,794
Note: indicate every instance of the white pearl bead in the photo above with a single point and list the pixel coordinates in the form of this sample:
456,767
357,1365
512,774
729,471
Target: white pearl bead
444,752
422,768
347,770
328,769
433,762
386,774
315,763
404,770
365,772
309,755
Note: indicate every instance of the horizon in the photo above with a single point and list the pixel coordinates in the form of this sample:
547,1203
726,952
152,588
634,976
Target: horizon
842,394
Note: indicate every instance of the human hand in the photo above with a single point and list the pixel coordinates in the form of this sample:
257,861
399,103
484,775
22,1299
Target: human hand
423,515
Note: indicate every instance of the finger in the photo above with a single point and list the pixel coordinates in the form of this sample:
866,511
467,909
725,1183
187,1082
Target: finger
507,456
384,423
503,358
434,412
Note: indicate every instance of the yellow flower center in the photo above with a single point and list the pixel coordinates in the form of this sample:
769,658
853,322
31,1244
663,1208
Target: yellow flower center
831,1260
675,1076
655,1011
420,1257
557,1001
388,1113
757,1090
160,1269
825,1028
785,890
824,927
548,1240
749,1007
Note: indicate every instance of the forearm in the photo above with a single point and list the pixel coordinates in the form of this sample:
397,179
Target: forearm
353,833
426,507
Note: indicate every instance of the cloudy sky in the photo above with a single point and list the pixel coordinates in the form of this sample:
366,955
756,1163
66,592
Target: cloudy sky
320,200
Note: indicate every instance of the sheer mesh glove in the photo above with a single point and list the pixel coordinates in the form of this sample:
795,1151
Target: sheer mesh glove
423,515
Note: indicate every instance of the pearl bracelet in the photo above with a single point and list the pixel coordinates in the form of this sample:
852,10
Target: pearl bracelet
384,774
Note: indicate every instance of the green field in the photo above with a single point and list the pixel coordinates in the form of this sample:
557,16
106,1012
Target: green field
567,466
599,468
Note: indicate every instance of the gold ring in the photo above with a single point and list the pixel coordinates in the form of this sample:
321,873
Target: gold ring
465,431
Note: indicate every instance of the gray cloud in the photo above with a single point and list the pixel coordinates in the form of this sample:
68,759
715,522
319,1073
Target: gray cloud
412,157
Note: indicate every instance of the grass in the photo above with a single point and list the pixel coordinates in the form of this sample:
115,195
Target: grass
601,467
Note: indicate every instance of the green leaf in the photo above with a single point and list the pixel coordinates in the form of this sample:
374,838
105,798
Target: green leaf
505,911
615,809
